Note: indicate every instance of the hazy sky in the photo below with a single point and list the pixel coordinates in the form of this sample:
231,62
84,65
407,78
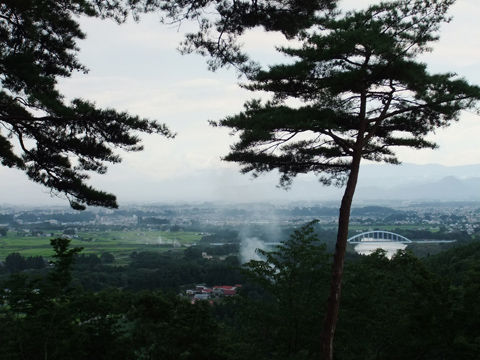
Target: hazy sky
136,67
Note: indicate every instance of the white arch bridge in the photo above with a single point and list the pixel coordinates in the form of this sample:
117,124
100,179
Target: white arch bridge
380,236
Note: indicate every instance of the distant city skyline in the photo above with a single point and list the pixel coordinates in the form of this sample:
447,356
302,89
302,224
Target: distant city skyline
135,67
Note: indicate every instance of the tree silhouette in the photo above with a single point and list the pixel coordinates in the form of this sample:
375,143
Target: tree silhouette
58,144
354,91
222,22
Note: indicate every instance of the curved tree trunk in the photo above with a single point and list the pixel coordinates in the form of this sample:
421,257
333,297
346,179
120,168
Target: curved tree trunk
333,303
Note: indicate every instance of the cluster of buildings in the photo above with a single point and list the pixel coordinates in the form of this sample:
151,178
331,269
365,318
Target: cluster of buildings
202,292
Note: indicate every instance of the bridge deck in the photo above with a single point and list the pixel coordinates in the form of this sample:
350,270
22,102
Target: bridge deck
380,236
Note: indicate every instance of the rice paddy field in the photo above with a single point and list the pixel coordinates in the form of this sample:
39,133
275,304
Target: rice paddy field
123,243
120,243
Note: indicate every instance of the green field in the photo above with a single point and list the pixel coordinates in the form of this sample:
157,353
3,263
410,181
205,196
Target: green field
120,243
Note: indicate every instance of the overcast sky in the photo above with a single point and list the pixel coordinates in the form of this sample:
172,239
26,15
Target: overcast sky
136,67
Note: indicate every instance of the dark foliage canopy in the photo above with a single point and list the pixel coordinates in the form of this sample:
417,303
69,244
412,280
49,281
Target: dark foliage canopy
398,308
293,280
221,22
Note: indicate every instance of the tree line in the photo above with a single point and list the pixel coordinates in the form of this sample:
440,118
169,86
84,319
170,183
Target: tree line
401,308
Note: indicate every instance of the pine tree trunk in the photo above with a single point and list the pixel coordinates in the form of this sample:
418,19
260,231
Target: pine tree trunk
333,303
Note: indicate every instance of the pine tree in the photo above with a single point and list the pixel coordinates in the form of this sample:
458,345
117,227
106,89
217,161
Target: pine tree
226,20
58,144
354,92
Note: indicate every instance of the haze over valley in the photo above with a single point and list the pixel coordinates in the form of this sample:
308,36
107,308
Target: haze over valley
378,183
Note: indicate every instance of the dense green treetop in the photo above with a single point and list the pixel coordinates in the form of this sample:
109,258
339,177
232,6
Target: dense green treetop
293,280
455,263
394,309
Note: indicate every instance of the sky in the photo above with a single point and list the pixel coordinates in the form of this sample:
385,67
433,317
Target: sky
136,67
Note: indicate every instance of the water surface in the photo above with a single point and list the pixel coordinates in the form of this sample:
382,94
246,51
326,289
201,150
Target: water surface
391,248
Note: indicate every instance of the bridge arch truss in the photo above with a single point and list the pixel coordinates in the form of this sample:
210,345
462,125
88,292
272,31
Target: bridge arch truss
378,236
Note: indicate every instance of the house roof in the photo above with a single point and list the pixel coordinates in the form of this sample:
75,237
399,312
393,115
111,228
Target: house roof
225,287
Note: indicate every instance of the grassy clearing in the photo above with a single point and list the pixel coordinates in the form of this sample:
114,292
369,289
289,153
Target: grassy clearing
120,243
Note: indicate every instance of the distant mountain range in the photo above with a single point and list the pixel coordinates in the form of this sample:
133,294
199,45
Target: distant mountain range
378,182
447,188
419,182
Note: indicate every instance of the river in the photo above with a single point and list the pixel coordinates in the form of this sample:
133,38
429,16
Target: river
390,247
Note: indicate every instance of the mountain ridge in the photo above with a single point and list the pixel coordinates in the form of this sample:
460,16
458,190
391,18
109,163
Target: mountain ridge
377,182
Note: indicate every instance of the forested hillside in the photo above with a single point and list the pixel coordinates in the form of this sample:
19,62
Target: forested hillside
403,308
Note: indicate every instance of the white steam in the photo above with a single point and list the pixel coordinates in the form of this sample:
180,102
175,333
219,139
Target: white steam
248,247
